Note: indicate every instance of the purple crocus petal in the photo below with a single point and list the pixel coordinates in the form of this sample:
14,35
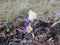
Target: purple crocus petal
6,22
32,20
25,29
58,14
27,20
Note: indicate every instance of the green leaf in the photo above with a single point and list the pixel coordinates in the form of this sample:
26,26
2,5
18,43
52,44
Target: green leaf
7,29
58,19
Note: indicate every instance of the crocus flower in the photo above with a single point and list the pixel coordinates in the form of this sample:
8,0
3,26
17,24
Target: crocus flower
28,20
28,29
6,22
58,14
57,18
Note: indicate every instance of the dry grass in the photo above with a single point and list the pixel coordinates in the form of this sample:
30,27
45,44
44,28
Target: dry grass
10,9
